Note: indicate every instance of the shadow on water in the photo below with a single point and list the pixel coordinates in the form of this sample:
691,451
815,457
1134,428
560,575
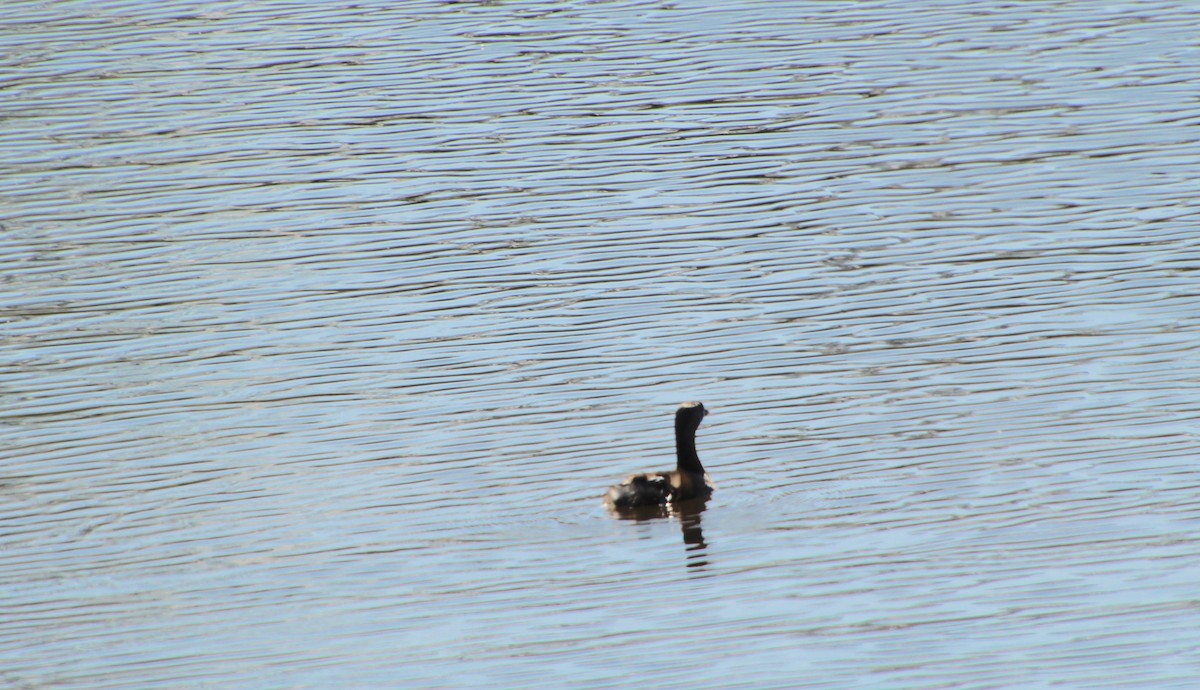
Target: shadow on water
689,515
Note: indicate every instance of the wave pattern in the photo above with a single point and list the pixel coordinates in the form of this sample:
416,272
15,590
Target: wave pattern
326,327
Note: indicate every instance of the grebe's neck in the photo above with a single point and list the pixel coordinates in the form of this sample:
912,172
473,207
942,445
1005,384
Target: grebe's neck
686,459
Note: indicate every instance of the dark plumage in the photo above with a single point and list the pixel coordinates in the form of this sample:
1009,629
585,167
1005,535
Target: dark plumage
688,480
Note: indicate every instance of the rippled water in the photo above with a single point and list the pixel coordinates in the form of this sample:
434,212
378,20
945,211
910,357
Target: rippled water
326,326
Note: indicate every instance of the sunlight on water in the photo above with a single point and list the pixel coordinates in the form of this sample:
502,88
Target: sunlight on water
325,329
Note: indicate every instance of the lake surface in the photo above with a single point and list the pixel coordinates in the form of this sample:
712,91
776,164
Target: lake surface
323,328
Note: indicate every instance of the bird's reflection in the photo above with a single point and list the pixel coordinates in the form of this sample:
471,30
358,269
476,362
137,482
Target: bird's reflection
688,513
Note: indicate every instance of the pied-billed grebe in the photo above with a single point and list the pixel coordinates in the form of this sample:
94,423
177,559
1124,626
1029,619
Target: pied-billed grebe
687,481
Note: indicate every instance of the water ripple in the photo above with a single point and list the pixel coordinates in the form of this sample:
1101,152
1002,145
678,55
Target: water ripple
325,328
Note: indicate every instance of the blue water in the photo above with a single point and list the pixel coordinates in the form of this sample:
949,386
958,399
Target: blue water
324,328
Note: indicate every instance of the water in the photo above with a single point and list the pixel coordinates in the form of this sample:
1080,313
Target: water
325,328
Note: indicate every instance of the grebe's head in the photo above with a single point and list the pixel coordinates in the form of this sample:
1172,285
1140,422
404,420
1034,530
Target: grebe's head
690,414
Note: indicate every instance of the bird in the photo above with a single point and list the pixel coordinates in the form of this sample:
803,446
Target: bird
688,480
